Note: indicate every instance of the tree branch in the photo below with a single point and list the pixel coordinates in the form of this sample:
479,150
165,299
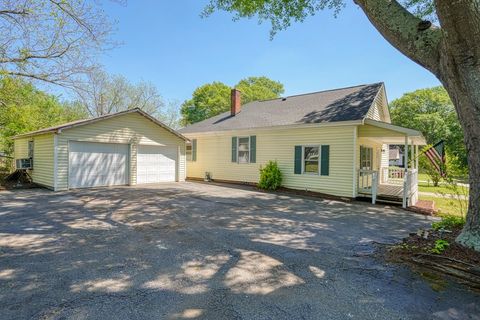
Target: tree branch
17,12
415,38
51,55
75,17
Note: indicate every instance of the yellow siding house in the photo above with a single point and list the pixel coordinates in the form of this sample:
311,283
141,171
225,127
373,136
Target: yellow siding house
334,142
125,148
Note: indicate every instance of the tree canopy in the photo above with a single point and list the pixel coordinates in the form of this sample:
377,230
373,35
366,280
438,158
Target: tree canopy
431,112
213,98
24,108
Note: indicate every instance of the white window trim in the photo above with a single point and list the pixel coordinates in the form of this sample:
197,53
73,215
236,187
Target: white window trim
319,146
238,149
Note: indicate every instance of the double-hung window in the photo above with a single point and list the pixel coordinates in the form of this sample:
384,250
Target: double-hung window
311,159
243,150
30,149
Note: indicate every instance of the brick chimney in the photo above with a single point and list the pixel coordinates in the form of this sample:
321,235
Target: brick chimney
235,106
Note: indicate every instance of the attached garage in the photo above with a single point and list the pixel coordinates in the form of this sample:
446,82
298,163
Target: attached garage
126,148
156,164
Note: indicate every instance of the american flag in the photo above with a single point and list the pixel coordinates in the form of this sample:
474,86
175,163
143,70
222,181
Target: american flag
436,155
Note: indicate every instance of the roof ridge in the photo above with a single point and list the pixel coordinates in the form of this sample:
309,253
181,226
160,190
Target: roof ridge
320,91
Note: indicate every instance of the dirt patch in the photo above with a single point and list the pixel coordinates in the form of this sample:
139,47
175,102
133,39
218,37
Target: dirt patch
19,179
418,251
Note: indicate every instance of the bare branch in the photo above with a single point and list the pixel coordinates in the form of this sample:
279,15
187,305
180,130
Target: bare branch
51,40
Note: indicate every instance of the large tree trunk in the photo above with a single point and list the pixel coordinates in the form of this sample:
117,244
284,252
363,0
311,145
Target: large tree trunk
459,71
467,102
452,53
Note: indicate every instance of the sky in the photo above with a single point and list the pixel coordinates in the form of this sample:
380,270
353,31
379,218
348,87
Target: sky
168,44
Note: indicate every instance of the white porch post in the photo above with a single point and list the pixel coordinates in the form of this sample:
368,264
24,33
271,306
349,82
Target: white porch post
416,156
412,155
405,175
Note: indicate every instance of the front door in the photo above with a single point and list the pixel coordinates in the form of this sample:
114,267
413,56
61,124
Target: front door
366,158
365,175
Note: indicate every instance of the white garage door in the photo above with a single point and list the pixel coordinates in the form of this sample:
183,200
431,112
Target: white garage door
97,164
156,164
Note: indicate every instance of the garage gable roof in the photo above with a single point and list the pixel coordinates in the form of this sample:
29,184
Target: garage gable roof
73,124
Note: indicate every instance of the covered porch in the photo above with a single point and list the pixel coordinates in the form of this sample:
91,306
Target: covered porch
375,178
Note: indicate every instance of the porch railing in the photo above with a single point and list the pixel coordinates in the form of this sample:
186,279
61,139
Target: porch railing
368,183
393,175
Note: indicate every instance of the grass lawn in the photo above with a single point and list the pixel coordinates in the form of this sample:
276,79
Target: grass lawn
447,206
423,177
425,187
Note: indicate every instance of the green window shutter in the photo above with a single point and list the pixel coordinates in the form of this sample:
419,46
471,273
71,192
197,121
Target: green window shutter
325,161
253,149
194,150
298,160
234,149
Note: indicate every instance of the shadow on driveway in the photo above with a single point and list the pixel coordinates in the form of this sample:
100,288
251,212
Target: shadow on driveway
198,251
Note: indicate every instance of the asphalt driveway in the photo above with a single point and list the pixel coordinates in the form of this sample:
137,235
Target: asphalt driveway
197,251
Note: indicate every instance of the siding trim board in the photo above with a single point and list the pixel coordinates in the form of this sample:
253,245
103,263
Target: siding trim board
55,162
354,164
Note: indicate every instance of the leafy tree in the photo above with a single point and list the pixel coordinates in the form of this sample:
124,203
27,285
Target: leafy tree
51,40
259,88
440,35
207,101
213,98
23,108
432,112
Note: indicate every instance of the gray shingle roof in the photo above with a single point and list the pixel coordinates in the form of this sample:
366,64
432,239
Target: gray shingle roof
343,104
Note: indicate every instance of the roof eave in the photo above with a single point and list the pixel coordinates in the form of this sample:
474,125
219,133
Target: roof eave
60,128
281,127
406,131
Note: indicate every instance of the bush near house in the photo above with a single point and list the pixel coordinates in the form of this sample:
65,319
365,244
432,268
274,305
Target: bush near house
270,176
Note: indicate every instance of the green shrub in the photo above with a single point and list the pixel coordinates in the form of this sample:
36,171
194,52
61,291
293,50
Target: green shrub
270,176
449,222
440,246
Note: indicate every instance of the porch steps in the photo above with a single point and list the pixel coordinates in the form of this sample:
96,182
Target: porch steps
381,199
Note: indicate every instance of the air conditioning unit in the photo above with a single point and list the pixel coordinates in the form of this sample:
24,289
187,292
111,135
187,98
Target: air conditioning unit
26,163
